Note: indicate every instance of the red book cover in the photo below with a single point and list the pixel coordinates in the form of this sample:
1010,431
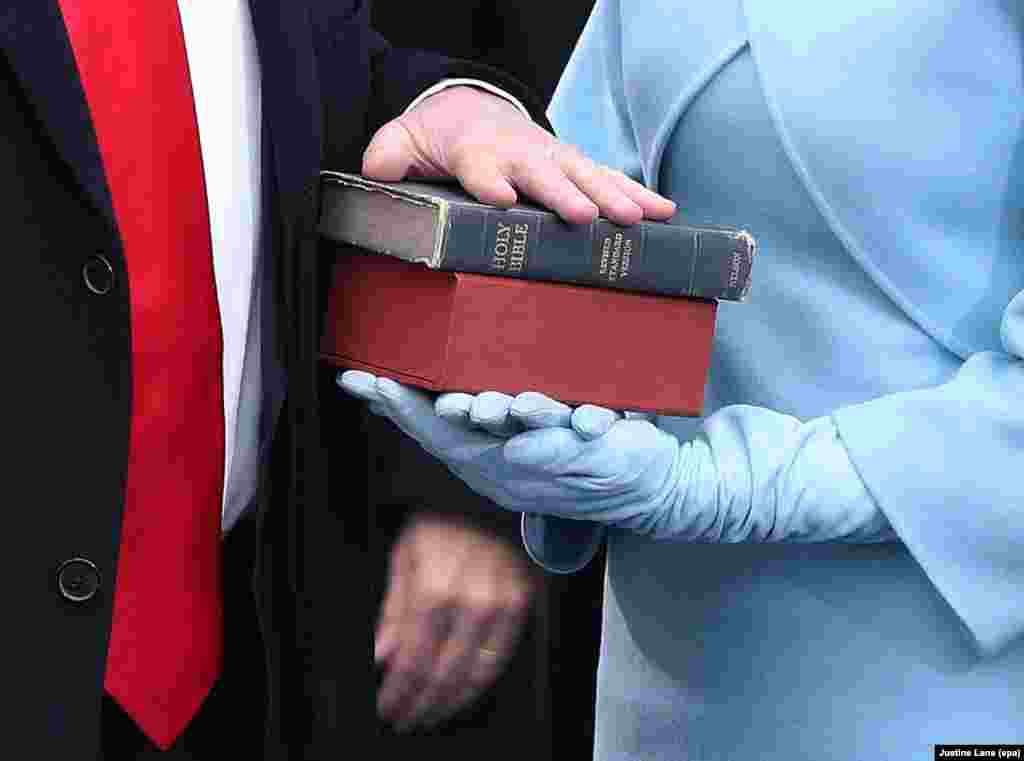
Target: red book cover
454,331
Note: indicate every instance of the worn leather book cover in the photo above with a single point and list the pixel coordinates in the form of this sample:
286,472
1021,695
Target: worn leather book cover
454,331
441,226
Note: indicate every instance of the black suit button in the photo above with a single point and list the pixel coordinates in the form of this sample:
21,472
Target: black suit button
78,580
98,275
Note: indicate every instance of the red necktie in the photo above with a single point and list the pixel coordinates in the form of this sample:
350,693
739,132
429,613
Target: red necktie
166,647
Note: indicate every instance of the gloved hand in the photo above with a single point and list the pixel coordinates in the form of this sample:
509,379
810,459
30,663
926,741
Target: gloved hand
750,475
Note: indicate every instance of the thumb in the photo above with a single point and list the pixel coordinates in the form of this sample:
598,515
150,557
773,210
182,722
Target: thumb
390,154
396,600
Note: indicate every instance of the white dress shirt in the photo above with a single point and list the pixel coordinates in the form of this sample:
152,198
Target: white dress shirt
225,72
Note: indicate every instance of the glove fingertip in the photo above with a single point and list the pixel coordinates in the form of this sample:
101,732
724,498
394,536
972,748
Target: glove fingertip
453,406
535,398
490,409
351,375
357,383
592,422
534,410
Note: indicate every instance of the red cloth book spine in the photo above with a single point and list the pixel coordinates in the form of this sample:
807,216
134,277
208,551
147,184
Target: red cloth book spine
454,331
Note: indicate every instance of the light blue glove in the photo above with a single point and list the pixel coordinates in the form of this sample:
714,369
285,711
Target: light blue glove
751,475
463,441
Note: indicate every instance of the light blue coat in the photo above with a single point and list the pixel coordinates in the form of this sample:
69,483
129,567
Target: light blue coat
875,150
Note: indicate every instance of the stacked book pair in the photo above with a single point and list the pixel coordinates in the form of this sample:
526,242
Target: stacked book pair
449,294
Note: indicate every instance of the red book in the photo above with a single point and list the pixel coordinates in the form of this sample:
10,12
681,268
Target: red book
455,331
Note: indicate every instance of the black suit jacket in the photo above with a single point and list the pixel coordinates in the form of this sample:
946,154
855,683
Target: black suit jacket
328,83
530,39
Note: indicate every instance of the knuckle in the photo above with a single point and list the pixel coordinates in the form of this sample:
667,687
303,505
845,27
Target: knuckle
518,164
459,153
481,600
525,166
436,597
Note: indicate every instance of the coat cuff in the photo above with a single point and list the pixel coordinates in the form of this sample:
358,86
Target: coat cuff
561,545
940,464
468,82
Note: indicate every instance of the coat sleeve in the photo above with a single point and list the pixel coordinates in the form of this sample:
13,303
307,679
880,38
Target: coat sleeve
939,462
399,75
381,80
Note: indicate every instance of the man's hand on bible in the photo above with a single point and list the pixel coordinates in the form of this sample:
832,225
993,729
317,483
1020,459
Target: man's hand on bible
496,153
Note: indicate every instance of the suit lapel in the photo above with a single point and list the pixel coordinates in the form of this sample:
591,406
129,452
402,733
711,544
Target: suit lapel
290,93
33,36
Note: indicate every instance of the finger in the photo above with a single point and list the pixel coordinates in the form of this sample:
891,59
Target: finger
592,422
473,623
598,184
410,668
391,153
454,408
396,603
488,663
360,384
543,181
414,413
485,181
655,206
535,410
490,411
545,450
